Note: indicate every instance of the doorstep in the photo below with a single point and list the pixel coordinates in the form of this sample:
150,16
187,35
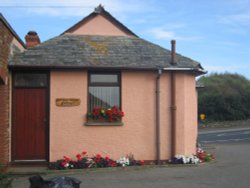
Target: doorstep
23,171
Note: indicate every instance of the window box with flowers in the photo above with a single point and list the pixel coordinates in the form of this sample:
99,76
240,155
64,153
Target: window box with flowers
102,116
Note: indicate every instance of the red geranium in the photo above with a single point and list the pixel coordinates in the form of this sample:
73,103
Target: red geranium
63,164
98,156
112,163
66,159
111,114
78,156
121,114
96,112
84,153
141,162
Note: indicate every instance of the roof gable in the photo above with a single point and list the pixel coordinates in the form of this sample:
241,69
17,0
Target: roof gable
100,22
76,49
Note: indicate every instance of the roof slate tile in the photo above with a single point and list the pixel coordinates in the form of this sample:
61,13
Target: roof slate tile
85,51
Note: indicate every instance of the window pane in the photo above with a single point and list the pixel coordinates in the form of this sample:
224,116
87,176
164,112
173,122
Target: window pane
103,78
30,80
105,97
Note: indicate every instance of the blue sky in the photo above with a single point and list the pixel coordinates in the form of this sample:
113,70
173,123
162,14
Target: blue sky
215,33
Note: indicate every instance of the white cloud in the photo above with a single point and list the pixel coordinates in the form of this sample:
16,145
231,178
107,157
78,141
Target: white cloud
162,33
227,43
238,24
236,19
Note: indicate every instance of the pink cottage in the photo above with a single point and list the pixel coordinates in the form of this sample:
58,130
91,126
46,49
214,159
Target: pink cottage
96,64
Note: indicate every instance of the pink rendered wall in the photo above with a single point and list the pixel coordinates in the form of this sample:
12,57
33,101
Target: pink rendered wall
180,113
186,113
191,115
69,135
165,114
138,94
99,26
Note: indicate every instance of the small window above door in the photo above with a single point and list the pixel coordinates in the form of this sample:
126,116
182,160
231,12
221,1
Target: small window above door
30,80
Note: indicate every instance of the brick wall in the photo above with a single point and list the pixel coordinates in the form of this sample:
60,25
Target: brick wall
5,44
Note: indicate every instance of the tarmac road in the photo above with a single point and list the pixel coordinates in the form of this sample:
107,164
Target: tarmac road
224,136
230,170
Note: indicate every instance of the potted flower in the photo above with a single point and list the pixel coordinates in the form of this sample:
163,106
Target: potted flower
100,114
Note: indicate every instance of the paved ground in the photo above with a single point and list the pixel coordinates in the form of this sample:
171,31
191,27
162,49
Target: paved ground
231,170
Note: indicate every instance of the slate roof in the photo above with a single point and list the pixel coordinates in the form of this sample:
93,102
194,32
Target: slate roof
81,51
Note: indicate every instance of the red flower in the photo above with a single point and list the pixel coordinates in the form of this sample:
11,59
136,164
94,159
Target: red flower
98,156
84,153
141,162
67,159
121,113
107,158
111,114
112,163
114,110
96,111
63,163
78,156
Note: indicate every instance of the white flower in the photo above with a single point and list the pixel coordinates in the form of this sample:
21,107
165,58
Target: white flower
184,159
199,150
196,160
190,159
123,161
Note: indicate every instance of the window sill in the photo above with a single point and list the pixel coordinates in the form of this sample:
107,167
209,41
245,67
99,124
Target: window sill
104,124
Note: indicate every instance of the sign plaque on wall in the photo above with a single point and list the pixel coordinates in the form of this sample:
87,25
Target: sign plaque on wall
65,102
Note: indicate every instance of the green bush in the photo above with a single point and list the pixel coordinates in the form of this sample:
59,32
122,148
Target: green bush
224,97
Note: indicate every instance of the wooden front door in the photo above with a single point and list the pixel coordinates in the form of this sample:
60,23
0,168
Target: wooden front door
30,117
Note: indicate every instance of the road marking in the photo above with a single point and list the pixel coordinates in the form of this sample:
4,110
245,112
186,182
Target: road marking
221,140
221,134
233,134
229,140
223,131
